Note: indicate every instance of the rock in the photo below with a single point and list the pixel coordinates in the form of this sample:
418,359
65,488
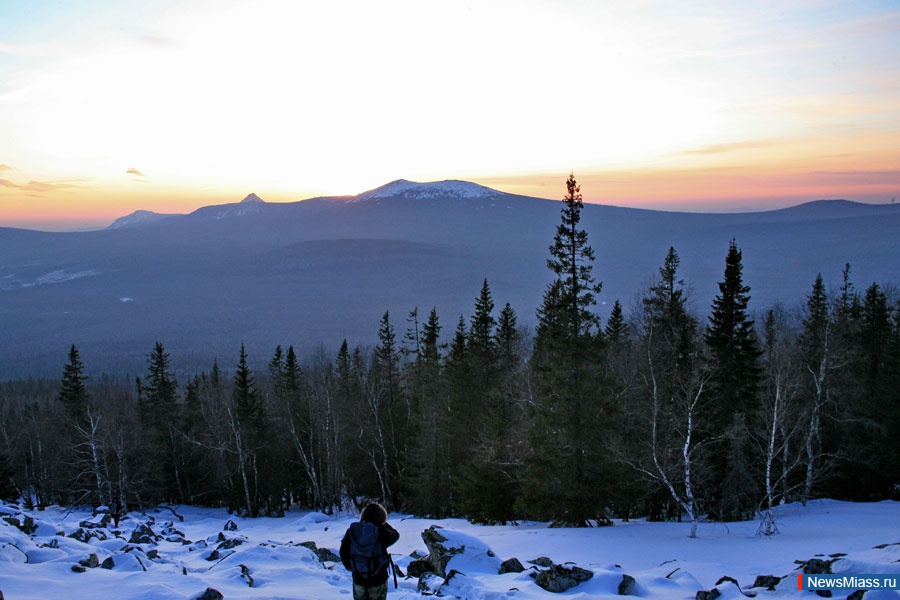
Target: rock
231,526
857,595
767,581
78,569
469,554
419,567
708,595
439,554
728,579
142,534
541,561
210,594
430,583
323,554
245,574
108,563
91,562
327,555
627,585
511,565
229,544
559,578
817,566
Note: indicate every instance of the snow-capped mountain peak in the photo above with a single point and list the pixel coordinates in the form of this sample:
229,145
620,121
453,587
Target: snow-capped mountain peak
138,217
450,188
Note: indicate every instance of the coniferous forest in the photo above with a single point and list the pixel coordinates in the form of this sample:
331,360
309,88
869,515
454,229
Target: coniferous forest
657,412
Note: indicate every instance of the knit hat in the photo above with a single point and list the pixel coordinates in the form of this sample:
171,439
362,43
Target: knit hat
375,514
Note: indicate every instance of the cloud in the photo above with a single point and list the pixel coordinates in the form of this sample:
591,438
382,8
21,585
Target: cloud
5,168
731,147
133,171
39,186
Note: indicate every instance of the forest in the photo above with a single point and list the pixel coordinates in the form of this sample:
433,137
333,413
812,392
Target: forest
655,413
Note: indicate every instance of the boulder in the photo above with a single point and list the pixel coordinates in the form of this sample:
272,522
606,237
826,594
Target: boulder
419,567
560,578
541,561
511,565
627,585
142,534
467,554
230,525
767,581
210,594
91,562
708,594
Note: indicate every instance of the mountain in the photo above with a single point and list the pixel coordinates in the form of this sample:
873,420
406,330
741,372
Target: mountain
315,272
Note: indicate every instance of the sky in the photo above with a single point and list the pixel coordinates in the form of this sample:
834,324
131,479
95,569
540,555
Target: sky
107,107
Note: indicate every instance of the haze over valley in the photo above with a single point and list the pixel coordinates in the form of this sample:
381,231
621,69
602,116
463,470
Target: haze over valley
315,272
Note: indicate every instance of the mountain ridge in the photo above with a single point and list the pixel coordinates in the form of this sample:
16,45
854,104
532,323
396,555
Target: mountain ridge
315,272
453,189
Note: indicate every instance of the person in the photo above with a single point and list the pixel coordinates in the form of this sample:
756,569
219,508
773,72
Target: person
117,513
364,553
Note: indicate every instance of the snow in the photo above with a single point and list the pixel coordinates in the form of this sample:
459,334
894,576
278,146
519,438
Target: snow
436,189
664,562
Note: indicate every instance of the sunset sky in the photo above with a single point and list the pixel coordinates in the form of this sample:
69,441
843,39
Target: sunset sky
167,105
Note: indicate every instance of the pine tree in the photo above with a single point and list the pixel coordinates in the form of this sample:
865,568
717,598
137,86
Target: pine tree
565,478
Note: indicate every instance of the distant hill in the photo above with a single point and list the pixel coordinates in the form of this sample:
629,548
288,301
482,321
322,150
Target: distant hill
317,271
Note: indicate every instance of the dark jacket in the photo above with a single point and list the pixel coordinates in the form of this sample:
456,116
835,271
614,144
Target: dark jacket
387,535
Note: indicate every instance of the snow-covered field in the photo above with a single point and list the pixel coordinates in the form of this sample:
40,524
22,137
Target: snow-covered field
665,563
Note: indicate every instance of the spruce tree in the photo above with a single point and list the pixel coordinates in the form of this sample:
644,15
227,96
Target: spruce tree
159,413
429,474
73,391
666,415
573,410
735,377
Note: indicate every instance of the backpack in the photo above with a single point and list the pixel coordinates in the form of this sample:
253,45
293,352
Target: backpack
367,557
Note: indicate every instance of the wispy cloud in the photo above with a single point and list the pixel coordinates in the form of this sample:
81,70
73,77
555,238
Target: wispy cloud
5,168
39,186
133,171
712,149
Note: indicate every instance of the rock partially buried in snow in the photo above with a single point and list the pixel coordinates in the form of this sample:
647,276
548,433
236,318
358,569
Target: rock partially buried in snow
512,565
560,578
210,594
450,549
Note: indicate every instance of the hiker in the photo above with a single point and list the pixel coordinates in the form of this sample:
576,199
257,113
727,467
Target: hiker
117,513
364,552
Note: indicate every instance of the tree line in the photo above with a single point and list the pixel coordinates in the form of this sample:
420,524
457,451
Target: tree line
659,413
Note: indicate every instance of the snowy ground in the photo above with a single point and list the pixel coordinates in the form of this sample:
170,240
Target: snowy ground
663,560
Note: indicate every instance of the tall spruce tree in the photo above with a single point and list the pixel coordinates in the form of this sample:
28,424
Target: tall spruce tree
429,473
159,412
566,470
73,389
735,378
